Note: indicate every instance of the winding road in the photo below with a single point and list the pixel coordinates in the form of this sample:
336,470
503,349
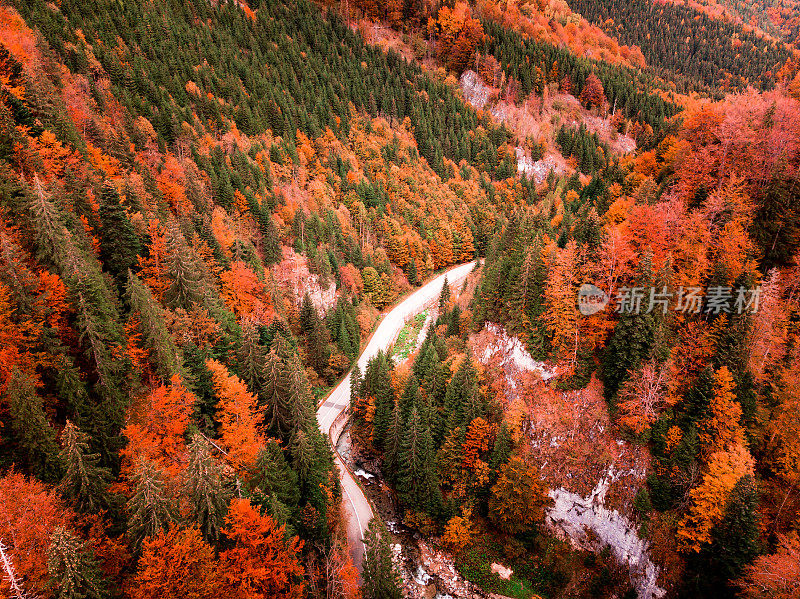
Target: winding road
330,413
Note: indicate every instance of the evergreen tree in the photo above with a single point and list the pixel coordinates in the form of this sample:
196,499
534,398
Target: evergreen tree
205,488
73,570
410,399
417,482
119,244
391,455
379,386
736,539
271,241
185,286
149,509
85,482
444,296
273,477
316,336
381,580
35,438
155,336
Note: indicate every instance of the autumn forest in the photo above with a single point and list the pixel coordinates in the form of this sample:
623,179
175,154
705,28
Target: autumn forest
518,279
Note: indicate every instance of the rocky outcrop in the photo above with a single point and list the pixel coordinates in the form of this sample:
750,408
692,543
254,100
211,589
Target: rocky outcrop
293,276
572,516
475,92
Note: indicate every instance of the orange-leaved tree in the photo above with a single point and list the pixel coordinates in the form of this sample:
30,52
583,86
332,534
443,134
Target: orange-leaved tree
29,513
157,427
237,416
518,498
176,564
263,562
722,428
709,498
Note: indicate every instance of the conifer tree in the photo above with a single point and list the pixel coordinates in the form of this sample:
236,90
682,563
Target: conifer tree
417,482
33,434
50,235
444,296
316,336
381,580
273,477
149,509
73,570
736,539
410,399
391,455
271,241
379,386
155,337
85,482
185,286
205,488
119,244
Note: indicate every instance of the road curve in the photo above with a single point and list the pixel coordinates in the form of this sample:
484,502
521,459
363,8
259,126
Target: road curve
356,505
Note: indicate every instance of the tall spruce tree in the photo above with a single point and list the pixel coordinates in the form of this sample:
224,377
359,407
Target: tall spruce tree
119,244
34,437
155,336
417,481
74,572
205,488
85,482
150,508
381,580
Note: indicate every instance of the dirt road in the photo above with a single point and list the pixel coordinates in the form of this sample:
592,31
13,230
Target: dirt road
356,505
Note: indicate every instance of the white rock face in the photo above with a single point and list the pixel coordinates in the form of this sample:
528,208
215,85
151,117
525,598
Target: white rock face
572,515
511,349
475,92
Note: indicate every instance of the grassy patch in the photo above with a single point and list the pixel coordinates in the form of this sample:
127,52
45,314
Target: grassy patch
406,341
476,566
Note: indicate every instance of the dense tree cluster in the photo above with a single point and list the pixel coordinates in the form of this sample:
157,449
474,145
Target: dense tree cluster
677,38
535,64
700,386
444,442
169,71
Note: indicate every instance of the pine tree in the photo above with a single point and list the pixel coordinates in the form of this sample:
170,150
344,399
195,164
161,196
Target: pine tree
417,482
444,296
380,387
155,337
410,399
185,286
73,570
271,241
85,482
391,455
50,235
149,508
736,539
205,488
33,434
316,336
381,580
273,477
119,244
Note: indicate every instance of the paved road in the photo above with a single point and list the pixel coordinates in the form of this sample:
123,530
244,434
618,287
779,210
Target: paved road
357,507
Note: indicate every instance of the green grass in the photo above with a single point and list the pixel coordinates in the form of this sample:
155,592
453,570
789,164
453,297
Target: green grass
476,566
406,341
